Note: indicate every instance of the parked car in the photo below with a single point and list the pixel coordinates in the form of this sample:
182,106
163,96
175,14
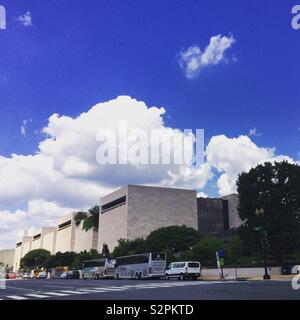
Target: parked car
26,275
64,275
183,270
42,275
74,274
10,275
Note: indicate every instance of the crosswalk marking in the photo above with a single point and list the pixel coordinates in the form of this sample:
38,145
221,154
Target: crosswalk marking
34,295
72,292
111,288
17,297
103,289
56,294
156,285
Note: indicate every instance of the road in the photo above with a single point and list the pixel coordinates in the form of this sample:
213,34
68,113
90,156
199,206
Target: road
146,290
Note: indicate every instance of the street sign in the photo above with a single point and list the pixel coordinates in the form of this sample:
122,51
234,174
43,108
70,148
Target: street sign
221,253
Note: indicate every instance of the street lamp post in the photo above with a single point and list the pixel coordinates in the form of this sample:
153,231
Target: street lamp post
260,214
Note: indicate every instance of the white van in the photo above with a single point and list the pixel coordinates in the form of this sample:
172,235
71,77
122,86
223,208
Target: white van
183,270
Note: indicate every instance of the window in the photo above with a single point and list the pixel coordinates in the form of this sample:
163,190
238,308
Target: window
64,225
113,204
94,263
36,237
158,256
178,265
132,260
143,259
193,265
100,263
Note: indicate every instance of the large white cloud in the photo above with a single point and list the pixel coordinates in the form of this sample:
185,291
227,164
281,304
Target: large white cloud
64,175
192,60
232,156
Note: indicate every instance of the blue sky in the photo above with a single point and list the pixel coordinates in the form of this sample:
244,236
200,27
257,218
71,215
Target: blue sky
78,53
72,54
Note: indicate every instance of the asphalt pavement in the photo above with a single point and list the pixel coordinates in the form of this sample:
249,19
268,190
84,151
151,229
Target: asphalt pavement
147,290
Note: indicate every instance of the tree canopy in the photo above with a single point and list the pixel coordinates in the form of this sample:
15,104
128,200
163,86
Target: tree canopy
174,238
35,258
90,219
274,191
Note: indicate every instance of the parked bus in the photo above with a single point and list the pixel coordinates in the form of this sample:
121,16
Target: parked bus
98,268
139,266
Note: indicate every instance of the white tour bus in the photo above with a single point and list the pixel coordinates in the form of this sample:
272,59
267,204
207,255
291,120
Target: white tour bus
98,268
139,266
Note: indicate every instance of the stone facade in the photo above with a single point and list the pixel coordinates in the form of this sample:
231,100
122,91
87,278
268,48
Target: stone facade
7,257
85,240
113,222
234,219
65,237
135,211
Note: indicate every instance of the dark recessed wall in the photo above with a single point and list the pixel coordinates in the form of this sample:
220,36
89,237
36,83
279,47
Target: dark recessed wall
213,217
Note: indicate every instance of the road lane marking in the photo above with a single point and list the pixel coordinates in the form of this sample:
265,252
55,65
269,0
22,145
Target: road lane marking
33,295
17,297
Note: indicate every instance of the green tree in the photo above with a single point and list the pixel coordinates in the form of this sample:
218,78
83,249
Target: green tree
205,250
176,239
35,258
129,247
79,216
84,256
233,250
66,259
91,221
274,189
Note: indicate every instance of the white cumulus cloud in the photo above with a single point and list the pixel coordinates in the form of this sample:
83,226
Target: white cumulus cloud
232,156
193,59
25,19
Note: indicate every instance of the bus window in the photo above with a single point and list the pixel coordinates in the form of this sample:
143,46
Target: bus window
158,256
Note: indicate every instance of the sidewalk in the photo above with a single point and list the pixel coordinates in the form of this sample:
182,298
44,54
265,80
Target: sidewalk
273,278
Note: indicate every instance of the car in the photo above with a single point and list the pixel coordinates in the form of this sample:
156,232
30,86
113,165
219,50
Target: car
64,275
27,275
42,275
74,274
11,275
183,270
